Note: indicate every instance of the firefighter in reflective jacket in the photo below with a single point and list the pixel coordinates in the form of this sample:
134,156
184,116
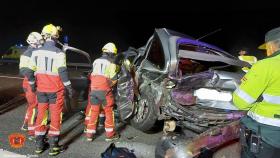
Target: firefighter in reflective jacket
49,65
259,94
35,40
103,78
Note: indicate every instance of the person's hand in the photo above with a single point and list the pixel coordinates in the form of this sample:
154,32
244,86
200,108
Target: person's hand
69,91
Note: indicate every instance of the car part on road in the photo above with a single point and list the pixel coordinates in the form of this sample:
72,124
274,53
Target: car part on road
169,126
177,146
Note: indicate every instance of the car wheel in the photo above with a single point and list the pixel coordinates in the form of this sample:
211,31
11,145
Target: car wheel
145,115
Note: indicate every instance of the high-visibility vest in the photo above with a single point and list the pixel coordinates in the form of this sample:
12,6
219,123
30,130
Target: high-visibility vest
249,59
104,72
104,67
49,65
262,81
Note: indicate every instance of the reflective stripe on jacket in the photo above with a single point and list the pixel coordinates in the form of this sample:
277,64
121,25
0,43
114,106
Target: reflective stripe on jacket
49,64
24,66
104,70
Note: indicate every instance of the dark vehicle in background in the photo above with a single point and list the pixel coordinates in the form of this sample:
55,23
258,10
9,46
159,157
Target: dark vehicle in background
176,77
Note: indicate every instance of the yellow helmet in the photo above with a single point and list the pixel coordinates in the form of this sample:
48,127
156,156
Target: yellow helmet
110,48
50,31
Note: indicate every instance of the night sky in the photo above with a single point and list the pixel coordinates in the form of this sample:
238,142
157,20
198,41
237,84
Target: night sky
90,24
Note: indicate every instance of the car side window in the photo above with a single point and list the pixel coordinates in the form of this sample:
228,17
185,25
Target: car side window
189,66
156,54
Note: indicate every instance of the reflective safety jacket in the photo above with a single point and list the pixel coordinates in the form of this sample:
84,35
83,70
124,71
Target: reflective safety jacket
49,65
104,71
249,59
259,92
24,66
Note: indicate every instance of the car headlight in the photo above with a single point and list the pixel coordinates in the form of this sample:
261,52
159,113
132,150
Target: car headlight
212,94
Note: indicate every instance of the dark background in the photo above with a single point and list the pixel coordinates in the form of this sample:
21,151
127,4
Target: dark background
91,24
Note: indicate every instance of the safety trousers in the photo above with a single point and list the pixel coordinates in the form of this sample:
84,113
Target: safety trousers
30,115
52,102
88,113
105,99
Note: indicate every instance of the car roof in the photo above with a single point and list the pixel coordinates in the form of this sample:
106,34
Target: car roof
186,39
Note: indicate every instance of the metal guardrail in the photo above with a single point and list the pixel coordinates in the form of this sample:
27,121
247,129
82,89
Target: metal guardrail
16,101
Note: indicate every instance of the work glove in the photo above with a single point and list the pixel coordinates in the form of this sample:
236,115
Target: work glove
33,88
70,91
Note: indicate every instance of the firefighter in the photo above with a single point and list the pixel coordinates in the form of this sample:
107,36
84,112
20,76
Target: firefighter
243,55
49,65
103,78
259,94
35,40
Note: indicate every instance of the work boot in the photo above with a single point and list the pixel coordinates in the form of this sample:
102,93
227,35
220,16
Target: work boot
114,137
55,149
24,127
31,138
41,145
90,137
101,121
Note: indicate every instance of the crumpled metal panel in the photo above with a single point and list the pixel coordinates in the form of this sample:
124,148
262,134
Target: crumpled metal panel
183,97
213,138
183,93
125,90
180,146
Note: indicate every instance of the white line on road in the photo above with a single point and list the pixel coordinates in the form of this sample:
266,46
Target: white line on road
8,154
12,77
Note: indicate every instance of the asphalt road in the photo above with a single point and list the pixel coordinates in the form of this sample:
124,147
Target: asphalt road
72,129
72,133
73,137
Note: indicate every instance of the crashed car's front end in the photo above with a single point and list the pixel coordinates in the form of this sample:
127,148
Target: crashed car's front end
186,83
178,78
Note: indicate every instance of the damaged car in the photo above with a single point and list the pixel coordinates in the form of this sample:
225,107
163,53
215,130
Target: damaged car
176,77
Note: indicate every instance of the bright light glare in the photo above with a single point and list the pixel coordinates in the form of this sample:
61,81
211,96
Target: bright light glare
212,94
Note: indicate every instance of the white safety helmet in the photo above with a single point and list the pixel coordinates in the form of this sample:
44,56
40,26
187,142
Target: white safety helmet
35,39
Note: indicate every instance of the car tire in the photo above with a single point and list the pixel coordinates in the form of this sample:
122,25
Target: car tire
147,120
